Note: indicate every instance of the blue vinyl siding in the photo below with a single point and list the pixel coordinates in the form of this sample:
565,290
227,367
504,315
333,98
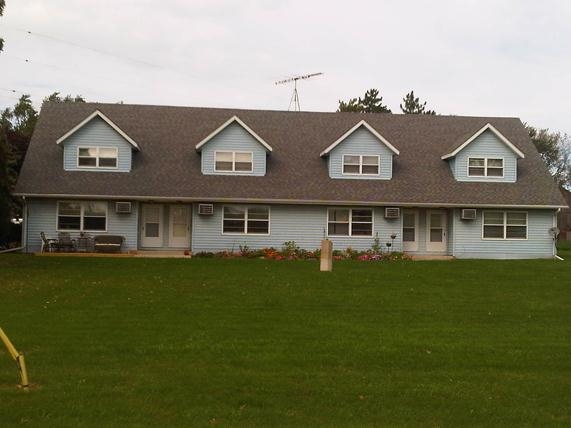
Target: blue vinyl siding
468,242
304,224
97,133
490,146
361,142
234,138
42,217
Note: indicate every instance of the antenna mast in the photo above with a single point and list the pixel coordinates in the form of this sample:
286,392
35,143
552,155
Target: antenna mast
295,96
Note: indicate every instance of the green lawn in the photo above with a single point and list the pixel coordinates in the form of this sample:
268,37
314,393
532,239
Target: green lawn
151,342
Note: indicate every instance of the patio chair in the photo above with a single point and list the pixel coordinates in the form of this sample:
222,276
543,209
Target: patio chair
49,244
65,242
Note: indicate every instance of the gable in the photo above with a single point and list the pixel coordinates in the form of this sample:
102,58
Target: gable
234,120
485,129
88,119
361,124
361,142
233,138
97,133
486,145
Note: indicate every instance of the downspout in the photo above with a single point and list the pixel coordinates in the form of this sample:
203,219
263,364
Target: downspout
25,225
554,236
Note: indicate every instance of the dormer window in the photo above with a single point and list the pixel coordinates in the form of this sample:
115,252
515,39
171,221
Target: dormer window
227,161
485,167
360,165
97,157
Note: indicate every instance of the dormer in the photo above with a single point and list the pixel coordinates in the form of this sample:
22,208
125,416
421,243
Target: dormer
97,144
487,156
233,149
361,153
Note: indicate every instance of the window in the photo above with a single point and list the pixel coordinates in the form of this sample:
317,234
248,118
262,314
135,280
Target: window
349,222
246,220
504,225
82,216
97,157
360,165
233,161
485,167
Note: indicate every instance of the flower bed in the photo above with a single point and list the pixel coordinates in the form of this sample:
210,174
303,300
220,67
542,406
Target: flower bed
290,251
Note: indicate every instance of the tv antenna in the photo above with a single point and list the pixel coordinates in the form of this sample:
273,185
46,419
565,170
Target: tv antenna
295,96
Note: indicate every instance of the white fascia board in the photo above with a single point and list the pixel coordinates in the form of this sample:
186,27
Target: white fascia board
243,125
353,129
106,120
486,127
151,198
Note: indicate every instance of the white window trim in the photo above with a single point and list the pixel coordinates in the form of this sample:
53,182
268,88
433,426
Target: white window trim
246,209
82,216
233,171
97,158
361,166
351,222
486,167
505,225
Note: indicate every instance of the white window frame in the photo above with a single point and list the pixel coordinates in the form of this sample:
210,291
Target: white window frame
82,216
234,153
361,165
97,157
350,235
505,225
486,159
246,210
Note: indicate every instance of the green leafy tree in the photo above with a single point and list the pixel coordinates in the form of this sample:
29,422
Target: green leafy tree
555,150
16,127
412,105
370,103
2,6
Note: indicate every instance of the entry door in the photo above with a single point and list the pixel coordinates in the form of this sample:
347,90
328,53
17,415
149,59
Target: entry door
436,230
410,230
152,226
179,226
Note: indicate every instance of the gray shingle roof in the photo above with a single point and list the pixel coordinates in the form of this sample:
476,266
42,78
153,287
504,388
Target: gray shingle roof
168,166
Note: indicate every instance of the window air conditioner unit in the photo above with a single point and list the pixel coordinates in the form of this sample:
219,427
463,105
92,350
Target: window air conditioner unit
123,207
392,212
205,209
468,214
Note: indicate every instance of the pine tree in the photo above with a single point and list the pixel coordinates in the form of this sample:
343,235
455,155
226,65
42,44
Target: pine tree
412,105
370,103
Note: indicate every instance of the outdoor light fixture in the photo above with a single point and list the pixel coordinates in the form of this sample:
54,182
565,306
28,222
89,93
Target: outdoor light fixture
17,220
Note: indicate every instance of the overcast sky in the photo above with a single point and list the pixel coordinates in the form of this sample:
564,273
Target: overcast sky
482,58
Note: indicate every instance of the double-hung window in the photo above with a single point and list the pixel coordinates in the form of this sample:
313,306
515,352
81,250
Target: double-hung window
349,222
226,161
361,164
504,225
246,220
97,157
485,167
82,216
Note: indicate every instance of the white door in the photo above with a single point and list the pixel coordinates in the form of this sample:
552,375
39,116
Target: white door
152,226
410,230
179,226
436,230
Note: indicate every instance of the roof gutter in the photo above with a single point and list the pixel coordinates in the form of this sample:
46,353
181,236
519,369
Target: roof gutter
284,201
